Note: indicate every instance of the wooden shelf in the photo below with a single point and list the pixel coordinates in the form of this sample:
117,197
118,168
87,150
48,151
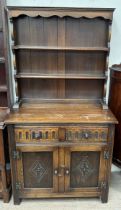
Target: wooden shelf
17,47
60,76
62,100
2,60
3,88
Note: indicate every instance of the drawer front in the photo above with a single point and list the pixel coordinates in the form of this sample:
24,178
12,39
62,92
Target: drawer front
87,134
38,134
68,133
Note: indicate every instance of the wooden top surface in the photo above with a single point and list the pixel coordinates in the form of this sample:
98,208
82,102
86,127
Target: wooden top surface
3,115
61,113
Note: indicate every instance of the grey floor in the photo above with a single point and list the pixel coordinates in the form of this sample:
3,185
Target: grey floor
114,202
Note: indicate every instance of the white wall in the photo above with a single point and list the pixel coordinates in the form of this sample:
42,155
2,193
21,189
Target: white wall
115,53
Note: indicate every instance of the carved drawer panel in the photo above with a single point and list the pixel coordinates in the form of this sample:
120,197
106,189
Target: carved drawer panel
68,133
36,134
87,134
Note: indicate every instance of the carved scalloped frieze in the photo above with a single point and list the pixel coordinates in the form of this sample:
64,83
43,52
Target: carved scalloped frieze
61,13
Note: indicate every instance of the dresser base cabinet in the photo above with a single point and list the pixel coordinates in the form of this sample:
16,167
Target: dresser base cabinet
60,160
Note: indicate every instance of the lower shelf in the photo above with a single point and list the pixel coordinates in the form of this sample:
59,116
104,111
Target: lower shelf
64,104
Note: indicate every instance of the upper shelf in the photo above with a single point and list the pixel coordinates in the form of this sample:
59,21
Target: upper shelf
60,76
32,47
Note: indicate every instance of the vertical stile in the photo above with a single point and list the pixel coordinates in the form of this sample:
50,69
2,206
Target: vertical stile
107,62
13,64
61,57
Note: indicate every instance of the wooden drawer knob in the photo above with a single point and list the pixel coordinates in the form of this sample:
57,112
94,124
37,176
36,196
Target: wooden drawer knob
86,135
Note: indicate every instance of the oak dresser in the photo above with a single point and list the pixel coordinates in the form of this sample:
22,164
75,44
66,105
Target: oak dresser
60,128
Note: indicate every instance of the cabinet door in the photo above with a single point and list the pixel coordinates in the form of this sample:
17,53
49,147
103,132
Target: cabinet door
84,169
37,170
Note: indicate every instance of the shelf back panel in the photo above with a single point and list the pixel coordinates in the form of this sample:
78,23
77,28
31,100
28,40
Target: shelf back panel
47,62
84,89
36,31
40,31
60,89
86,32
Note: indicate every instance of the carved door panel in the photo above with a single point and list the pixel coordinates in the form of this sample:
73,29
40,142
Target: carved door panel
85,168
37,170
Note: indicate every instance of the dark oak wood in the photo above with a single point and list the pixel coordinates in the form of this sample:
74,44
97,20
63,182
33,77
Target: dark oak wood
4,95
115,106
5,175
86,132
60,135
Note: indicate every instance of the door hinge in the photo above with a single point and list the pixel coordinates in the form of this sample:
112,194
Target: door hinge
18,186
16,155
106,155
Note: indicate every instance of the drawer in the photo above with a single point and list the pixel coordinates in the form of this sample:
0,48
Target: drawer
68,133
35,134
87,134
